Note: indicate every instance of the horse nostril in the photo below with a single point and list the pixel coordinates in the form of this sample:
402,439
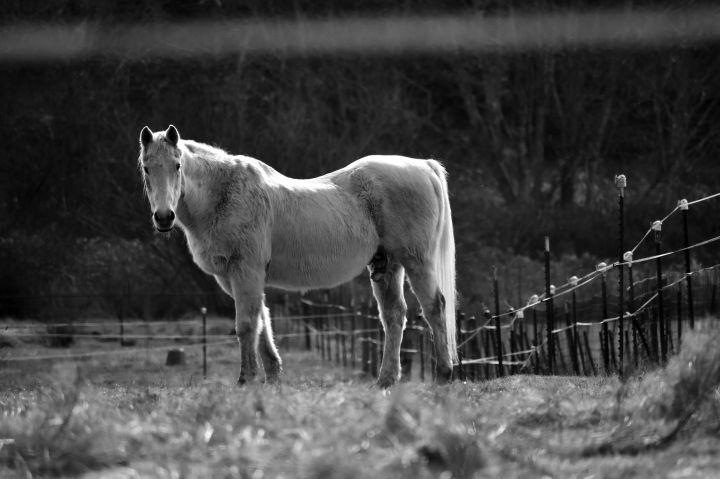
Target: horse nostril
164,218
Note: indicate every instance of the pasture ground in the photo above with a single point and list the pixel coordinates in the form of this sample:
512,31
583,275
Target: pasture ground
128,416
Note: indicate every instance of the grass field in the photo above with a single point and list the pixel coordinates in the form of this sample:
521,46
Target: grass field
128,416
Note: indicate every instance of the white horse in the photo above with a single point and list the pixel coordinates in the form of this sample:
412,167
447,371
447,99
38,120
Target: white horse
251,227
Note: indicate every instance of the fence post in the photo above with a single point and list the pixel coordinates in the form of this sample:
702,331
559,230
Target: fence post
621,184
657,228
459,316
421,346
365,341
628,257
203,312
304,312
591,360
605,334
576,364
683,205
486,340
475,348
343,339
328,334
353,328
679,318
498,331
512,340
536,353
337,324
550,319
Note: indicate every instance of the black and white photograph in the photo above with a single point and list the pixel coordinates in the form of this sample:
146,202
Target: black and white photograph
359,239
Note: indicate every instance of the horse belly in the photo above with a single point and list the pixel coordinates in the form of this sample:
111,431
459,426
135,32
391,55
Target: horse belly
321,261
312,272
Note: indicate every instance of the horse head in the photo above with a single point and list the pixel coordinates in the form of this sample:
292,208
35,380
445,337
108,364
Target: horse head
160,159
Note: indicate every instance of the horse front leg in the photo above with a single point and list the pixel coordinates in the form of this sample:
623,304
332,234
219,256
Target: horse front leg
248,296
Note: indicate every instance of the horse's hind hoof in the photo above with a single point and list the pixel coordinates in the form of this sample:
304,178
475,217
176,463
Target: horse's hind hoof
273,379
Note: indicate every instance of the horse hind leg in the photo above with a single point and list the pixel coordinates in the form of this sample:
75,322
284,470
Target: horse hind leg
425,287
388,291
272,364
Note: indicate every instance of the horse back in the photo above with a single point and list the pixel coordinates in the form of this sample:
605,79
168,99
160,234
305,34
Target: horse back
400,194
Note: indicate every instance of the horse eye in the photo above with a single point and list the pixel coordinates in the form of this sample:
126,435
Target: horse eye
146,170
177,166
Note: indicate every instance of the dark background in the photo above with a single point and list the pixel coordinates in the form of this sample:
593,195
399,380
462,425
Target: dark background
532,141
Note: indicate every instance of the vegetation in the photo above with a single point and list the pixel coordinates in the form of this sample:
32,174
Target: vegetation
532,140
125,415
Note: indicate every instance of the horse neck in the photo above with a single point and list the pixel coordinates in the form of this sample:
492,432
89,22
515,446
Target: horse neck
192,208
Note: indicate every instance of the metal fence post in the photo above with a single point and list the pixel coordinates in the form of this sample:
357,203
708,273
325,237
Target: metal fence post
365,342
550,319
628,257
679,317
683,205
421,344
459,317
576,363
304,311
203,312
498,331
621,184
657,228
353,328
605,334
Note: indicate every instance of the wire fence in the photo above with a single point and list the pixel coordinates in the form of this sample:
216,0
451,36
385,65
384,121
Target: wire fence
587,325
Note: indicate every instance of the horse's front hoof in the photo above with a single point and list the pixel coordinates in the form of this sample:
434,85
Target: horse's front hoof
443,376
243,380
385,382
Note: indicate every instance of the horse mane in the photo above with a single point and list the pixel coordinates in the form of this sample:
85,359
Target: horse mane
204,150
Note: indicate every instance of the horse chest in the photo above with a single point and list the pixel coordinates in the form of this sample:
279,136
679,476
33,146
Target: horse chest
208,256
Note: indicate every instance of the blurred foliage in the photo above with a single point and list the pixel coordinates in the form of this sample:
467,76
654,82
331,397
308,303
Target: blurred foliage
532,140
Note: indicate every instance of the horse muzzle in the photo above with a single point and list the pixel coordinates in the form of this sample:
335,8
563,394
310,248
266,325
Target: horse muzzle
164,221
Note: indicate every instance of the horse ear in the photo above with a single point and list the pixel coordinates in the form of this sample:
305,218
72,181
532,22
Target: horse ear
172,135
146,136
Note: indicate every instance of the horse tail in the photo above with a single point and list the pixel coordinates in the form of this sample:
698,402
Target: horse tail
444,256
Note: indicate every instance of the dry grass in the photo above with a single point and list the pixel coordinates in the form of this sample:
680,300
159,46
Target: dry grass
131,415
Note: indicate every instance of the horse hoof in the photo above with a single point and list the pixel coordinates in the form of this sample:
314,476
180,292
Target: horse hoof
385,383
243,380
272,379
443,376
